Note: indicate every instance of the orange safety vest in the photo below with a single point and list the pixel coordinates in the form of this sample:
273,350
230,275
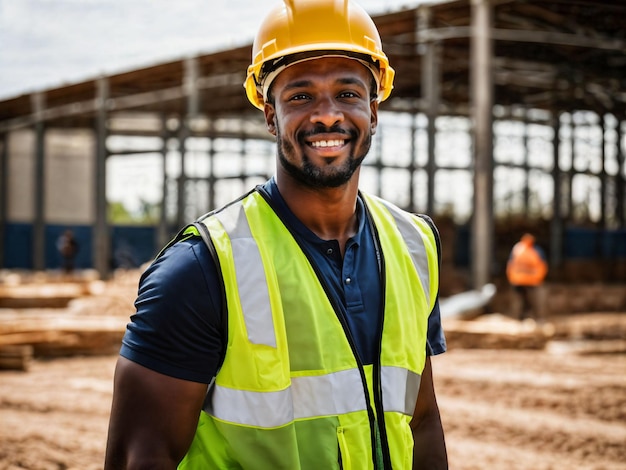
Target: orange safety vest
526,267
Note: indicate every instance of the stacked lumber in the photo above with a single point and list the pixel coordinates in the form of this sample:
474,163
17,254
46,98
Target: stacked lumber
16,357
58,335
54,295
496,331
61,318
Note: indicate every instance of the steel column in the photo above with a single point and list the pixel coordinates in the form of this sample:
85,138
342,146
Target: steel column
101,237
603,175
481,85
39,223
431,95
163,229
556,224
620,192
211,156
4,179
190,87
526,166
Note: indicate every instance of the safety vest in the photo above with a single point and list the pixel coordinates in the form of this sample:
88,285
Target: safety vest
526,267
291,393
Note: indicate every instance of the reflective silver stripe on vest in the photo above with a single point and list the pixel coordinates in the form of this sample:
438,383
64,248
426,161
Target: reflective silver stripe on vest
400,387
308,397
251,281
415,244
331,394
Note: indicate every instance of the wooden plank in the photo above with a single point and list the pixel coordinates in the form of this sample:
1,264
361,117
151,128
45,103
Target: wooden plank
16,357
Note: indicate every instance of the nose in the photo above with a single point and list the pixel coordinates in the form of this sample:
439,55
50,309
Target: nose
327,112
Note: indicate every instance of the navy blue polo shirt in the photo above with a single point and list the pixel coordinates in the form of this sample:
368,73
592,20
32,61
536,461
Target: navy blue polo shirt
176,329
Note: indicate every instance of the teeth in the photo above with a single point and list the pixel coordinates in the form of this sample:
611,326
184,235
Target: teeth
327,143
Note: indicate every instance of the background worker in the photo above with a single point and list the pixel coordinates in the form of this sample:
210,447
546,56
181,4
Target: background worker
306,308
67,245
526,270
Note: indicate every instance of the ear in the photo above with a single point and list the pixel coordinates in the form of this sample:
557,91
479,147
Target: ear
270,118
374,115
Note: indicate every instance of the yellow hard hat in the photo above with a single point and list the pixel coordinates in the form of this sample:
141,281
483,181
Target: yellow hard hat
307,29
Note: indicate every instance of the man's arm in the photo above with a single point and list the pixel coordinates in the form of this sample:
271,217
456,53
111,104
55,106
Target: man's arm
429,450
153,418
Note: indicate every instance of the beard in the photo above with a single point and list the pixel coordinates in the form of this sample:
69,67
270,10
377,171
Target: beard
317,177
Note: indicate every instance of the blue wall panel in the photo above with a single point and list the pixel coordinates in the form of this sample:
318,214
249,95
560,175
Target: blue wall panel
18,242
131,246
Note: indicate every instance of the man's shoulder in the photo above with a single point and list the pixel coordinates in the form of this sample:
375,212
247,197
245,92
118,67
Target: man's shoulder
182,259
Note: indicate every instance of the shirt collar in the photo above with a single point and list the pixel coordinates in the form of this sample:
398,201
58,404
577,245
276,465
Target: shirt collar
292,222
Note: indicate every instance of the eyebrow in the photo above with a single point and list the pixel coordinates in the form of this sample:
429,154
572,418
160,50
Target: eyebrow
342,81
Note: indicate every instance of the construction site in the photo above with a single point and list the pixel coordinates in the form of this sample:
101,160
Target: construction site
507,117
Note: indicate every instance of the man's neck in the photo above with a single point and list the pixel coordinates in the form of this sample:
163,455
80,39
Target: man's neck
330,213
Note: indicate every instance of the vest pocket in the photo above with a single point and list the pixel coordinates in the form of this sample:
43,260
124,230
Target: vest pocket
344,454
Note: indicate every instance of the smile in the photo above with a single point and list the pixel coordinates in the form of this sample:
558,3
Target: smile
328,143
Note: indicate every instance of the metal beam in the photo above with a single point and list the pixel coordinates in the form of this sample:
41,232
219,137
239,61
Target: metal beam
4,193
101,236
556,224
531,36
211,156
603,175
431,94
481,82
526,165
120,103
620,191
181,199
163,231
190,87
39,183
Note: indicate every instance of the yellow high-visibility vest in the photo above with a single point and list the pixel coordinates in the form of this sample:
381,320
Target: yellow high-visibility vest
291,393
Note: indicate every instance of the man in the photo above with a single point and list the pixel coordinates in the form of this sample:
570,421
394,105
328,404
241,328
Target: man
68,249
526,270
293,328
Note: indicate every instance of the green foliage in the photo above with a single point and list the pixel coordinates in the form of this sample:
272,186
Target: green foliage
118,214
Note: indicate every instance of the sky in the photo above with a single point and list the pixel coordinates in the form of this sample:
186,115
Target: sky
51,43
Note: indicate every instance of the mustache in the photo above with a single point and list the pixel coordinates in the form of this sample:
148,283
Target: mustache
322,129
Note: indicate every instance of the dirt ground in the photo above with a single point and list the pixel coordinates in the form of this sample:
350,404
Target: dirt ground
561,407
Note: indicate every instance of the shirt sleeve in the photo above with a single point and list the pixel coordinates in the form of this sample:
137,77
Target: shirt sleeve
435,339
176,329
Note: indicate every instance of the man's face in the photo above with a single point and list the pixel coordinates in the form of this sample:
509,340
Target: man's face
323,117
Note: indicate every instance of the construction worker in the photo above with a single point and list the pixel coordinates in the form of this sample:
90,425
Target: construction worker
293,328
68,247
526,270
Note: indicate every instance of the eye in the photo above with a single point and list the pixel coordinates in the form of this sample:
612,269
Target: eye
299,97
349,95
